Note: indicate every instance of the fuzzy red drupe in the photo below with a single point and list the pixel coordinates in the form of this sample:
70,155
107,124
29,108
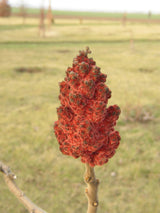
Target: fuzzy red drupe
85,126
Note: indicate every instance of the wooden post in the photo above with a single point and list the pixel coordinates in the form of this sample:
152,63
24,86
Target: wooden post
131,40
124,19
149,16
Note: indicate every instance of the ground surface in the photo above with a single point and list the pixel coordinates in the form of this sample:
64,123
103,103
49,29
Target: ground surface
130,56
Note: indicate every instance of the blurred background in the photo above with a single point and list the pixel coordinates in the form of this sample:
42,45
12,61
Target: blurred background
38,41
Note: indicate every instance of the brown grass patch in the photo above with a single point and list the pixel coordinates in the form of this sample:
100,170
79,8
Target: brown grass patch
137,113
146,70
28,69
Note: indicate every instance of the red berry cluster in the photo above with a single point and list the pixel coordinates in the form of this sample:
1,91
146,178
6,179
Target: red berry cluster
85,127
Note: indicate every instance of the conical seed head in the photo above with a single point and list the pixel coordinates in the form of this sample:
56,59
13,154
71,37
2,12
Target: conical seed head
85,126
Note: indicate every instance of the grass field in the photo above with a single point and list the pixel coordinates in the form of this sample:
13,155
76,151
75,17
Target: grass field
130,56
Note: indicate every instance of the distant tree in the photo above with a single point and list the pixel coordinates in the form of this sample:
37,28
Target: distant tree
42,23
5,8
23,12
50,15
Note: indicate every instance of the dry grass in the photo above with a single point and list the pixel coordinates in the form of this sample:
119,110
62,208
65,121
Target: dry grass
28,110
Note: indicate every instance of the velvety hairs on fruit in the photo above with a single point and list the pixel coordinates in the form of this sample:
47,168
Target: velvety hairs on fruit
85,126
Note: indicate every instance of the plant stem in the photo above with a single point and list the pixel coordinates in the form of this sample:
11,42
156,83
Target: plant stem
92,189
9,179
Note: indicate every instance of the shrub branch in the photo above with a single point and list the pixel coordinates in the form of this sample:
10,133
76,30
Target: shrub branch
92,189
10,177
